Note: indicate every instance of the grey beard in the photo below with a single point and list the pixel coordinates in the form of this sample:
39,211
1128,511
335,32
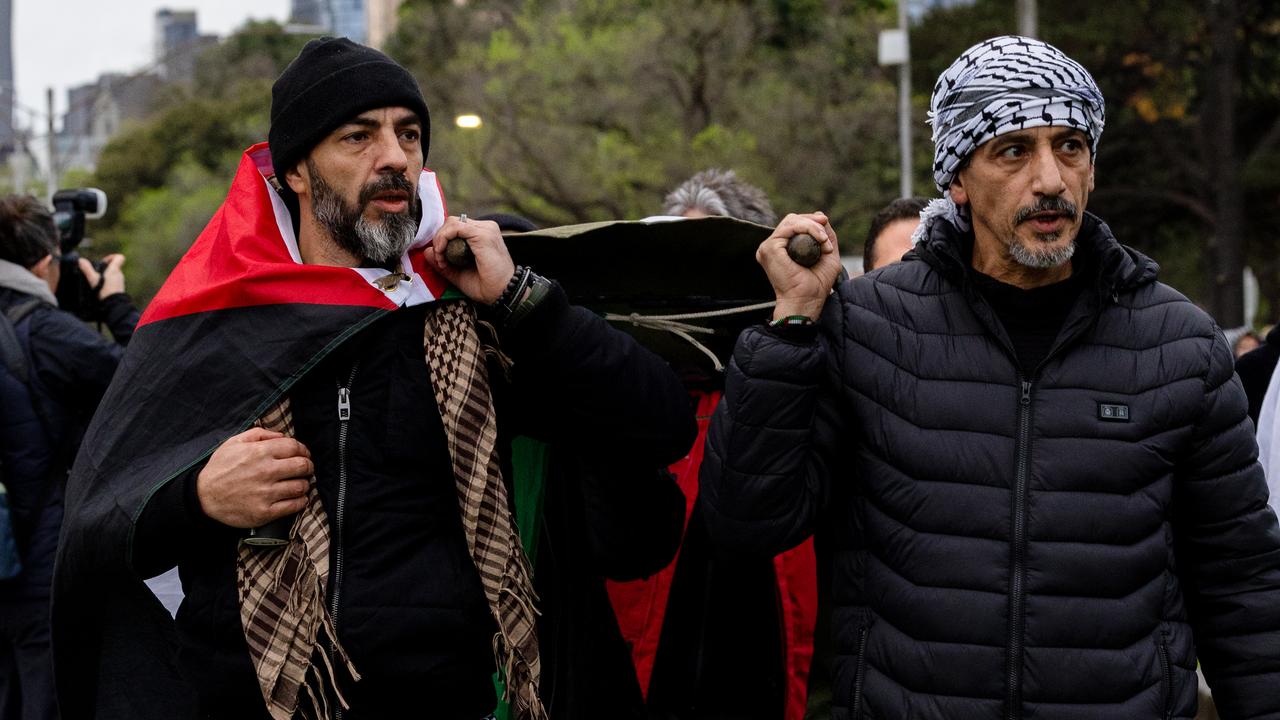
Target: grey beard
378,242
1035,257
1041,259
382,242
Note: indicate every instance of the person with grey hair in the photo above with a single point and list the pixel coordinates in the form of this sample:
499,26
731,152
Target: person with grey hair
1033,457
720,192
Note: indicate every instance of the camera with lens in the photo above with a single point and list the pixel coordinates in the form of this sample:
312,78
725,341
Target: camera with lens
71,207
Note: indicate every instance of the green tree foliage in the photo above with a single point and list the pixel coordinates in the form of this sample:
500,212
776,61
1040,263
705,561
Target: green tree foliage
595,109
160,223
245,64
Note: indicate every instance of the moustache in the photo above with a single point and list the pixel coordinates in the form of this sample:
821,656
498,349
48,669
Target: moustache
387,183
1053,204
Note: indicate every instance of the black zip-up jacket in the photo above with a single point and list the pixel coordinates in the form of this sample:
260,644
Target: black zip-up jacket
1055,542
403,590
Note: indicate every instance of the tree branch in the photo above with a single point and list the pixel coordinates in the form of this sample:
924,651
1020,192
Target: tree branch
1183,200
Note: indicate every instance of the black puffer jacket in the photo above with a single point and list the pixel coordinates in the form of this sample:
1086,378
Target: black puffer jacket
1003,550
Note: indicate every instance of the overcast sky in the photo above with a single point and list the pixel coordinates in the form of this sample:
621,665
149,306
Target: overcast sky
63,43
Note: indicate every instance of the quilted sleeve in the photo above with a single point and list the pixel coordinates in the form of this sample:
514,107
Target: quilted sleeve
765,474
1228,550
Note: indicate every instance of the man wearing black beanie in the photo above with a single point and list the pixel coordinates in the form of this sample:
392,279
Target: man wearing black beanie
334,83
322,450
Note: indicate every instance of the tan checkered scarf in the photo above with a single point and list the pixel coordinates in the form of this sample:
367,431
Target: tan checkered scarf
282,590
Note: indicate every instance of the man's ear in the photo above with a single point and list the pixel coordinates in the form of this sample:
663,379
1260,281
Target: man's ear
298,179
958,194
43,267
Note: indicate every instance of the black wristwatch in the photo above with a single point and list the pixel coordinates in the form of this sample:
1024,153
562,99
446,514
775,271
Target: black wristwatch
522,294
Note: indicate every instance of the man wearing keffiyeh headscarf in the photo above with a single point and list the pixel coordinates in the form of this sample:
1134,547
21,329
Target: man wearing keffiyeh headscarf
1032,458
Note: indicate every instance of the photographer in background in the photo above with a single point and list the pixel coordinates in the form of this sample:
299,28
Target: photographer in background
54,371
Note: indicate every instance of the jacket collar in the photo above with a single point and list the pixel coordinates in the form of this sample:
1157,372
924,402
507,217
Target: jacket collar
19,279
1114,268
1111,268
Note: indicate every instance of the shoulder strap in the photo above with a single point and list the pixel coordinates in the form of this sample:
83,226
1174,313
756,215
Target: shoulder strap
14,355
15,358
10,349
16,312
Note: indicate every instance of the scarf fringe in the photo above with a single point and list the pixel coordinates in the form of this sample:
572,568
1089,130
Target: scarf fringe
319,705
528,705
489,346
518,671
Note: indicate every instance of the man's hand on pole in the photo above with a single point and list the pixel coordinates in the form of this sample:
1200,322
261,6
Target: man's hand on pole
485,281
800,290
254,478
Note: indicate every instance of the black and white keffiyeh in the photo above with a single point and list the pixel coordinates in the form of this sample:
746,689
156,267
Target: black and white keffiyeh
998,86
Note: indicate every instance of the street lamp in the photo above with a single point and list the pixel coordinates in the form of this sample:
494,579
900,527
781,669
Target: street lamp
1028,18
895,49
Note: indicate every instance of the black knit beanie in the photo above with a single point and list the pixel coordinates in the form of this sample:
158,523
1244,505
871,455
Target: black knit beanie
330,82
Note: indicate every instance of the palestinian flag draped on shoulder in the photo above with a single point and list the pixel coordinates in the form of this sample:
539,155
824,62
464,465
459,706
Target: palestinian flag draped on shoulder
238,321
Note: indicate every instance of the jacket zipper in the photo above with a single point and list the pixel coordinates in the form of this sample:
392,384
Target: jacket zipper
248,422
1167,671
1072,327
344,422
860,673
1013,699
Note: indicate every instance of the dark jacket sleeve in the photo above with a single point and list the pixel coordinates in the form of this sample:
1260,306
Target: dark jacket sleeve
75,364
768,455
615,415
577,380
172,524
1228,551
120,316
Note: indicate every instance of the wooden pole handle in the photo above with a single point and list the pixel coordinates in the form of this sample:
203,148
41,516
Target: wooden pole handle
804,249
458,254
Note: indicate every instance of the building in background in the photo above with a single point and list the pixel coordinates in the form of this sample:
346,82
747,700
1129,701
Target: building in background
97,111
348,19
309,12
177,43
175,29
341,18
